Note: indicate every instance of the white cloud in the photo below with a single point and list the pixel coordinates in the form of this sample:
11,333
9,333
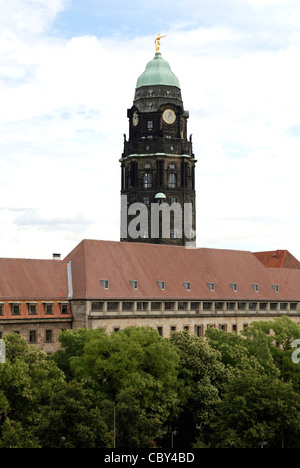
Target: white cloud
63,115
29,16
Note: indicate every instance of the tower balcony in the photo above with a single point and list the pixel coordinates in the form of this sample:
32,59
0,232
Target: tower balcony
152,145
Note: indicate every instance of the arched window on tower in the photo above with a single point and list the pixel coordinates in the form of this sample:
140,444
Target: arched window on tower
147,180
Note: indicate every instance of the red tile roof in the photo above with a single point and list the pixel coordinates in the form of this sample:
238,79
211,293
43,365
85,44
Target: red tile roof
278,259
33,279
121,262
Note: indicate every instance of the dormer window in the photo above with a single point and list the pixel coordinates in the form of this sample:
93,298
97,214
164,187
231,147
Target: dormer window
211,286
187,285
105,284
275,287
134,284
255,287
233,286
161,284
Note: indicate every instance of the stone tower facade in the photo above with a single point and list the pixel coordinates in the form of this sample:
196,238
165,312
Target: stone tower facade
158,165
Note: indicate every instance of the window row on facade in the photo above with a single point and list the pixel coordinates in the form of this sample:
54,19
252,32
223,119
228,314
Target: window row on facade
194,306
33,336
188,286
33,308
198,329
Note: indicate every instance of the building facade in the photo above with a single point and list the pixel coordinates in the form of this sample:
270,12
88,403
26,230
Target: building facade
113,285
34,300
159,280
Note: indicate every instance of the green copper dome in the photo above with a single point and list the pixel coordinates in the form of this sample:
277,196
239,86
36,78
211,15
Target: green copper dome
158,72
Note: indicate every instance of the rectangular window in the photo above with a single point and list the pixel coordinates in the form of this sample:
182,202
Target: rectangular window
1,309
252,305
293,306
155,305
195,306
48,309
172,180
112,306
199,330
219,305
127,305
142,305
173,329
223,327
32,309
15,309
273,305
230,305
234,328
147,180
283,306
242,305
207,305
263,306
97,306
64,309
32,336
169,305
160,331
173,200
182,305
49,336
146,201
150,125
105,284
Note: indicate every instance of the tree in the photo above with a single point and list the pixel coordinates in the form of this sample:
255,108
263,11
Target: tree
27,380
200,379
251,350
134,427
256,408
135,358
280,334
71,420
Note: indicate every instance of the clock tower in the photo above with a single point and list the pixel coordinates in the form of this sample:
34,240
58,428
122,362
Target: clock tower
158,165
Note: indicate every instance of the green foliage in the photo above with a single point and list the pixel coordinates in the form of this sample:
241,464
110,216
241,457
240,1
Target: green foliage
135,358
250,351
225,390
256,408
70,420
200,381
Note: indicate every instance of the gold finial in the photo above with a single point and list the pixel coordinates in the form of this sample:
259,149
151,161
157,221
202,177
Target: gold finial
157,42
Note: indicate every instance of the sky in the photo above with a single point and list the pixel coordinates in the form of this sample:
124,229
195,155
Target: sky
68,71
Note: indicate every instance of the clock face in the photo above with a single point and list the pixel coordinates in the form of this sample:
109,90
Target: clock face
135,119
169,116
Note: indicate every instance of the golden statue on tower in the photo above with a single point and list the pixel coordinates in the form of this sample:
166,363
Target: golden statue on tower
157,42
